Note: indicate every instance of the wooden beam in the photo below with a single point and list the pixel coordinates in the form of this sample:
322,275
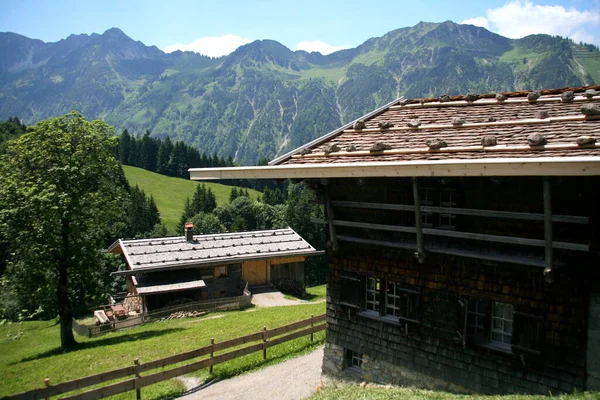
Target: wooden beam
420,254
330,218
502,166
397,245
548,271
573,219
454,252
463,235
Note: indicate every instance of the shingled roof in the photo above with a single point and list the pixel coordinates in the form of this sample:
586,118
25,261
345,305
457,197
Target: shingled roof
518,133
169,253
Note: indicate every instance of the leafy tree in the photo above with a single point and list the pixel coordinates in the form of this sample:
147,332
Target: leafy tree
10,129
59,192
206,223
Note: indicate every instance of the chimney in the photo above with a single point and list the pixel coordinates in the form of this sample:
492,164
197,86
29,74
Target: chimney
189,236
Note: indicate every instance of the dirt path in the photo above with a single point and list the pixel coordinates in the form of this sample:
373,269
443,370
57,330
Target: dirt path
267,296
290,380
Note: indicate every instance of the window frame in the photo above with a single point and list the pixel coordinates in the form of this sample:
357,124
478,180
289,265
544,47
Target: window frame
526,333
353,360
408,297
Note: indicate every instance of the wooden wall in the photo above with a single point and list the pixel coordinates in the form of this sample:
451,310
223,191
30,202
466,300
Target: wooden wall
428,349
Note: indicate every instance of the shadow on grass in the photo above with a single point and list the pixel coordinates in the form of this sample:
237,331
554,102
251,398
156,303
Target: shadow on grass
106,341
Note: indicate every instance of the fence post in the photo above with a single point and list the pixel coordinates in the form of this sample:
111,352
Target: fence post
136,364
312,324
212,342
47,384
264,335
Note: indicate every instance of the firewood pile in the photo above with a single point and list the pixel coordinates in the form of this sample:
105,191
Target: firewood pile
184,314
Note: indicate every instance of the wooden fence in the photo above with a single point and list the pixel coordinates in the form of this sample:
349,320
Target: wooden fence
265,338
221,304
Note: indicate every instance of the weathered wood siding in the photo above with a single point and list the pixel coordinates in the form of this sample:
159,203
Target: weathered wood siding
426,353
293,271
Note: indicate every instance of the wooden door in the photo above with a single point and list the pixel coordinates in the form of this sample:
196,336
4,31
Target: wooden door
255,272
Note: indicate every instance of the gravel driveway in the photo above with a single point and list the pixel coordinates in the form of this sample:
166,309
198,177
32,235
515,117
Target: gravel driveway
290,380
267,296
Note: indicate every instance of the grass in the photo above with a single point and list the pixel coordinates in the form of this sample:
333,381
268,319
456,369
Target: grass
30,352
170,193
315,293
330,74
374,392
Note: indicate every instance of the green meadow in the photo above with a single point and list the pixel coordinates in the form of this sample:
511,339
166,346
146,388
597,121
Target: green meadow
170,193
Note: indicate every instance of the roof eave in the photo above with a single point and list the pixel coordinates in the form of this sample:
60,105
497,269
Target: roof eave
218,261
539,166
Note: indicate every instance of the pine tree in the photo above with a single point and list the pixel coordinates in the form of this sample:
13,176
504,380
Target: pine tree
164,157
198,200
211,201
124,147
233,194
187,213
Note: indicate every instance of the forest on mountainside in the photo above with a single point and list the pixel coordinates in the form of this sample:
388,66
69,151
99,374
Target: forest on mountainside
263,99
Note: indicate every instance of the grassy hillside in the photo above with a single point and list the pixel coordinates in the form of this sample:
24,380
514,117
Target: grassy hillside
30,352
170,193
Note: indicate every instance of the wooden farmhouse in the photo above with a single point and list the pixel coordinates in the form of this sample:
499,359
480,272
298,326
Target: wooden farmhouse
464,241
201,267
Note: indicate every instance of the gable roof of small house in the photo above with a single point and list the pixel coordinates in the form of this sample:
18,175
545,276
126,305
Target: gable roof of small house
169,253
548,132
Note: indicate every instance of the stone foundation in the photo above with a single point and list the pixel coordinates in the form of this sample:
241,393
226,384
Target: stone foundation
380,372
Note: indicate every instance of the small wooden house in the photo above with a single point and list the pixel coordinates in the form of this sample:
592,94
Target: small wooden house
201,267
464,241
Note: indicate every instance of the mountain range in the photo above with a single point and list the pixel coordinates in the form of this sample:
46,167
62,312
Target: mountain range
265,99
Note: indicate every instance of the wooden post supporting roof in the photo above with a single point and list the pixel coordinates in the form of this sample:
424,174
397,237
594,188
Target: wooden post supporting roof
330,216
548,272
420,254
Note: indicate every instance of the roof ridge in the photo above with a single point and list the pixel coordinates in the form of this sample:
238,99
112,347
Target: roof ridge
453,149
485,102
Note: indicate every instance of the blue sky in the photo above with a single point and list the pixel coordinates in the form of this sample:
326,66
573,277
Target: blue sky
218,27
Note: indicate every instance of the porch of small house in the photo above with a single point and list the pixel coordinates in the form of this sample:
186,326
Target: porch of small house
261,272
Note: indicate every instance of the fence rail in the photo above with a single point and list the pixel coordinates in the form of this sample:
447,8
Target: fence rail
267,338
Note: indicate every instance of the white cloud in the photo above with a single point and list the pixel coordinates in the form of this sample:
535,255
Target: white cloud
477,21
213,46
519,18
317,45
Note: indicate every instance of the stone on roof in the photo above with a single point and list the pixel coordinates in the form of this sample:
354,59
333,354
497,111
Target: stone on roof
510,118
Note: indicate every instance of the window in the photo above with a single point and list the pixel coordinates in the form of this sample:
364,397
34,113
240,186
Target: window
497,325
391,300
350,291
353,360
444,198
427,200
220,270
373,292
401,302
502,321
